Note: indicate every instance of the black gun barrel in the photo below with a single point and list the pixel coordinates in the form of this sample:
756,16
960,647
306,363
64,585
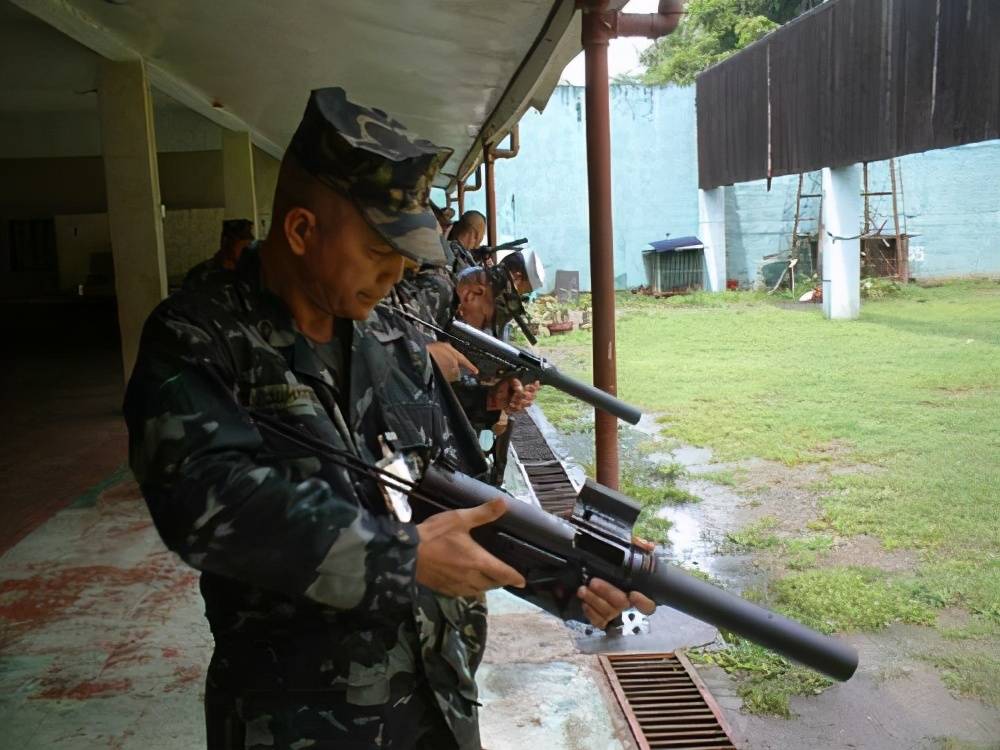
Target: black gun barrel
544,371
592,395
667,584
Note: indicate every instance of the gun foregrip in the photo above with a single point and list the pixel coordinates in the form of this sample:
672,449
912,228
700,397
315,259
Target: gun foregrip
589,394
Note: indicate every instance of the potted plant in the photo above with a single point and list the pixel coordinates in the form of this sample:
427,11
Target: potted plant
557,320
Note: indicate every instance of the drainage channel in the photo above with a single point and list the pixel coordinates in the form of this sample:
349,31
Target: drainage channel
665,703
544,471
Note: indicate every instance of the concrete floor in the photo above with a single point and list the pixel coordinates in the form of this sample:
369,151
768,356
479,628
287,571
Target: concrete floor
60,396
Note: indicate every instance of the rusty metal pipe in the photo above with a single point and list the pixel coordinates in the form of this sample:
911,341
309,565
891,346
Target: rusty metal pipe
515,145
599,26
491,198
463,188
602,269
649,25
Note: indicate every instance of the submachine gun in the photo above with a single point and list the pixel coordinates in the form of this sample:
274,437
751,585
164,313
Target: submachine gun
497,360
557,555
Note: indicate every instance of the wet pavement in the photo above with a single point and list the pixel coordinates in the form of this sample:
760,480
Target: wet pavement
896,701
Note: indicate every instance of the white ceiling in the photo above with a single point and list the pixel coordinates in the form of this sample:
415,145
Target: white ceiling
441,66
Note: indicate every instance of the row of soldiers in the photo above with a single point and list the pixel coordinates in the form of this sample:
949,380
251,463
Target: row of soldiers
258,391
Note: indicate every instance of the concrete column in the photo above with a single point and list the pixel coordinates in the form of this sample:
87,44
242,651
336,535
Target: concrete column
839,244
128,145
712,232
237,177
265,179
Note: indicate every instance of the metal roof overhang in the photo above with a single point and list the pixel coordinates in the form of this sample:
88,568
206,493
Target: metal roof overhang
458,73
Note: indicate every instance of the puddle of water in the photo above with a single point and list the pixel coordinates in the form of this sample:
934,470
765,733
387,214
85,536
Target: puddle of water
696,530
648,426
691,457
693,540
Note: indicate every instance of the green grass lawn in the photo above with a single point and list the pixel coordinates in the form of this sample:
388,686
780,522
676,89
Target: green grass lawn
911,388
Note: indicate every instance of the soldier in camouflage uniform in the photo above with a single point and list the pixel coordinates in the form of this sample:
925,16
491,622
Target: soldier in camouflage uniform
338,624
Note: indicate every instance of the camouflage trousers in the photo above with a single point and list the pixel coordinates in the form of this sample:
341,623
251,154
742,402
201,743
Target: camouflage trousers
324,720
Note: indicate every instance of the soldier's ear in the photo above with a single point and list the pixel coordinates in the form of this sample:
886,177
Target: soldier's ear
466,292
299,225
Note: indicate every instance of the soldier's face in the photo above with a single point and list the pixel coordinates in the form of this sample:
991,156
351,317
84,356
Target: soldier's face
348,264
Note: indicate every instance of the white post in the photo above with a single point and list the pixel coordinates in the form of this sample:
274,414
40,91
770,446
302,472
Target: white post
839,244
712,232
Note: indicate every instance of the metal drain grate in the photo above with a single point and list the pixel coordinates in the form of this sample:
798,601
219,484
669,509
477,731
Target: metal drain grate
546,474
665,702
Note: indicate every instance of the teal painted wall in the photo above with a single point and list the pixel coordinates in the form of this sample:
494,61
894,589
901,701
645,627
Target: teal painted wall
950,199
542,194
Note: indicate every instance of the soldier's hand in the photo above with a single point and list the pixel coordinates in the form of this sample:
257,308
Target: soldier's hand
603,602
450,360
450,562
511,396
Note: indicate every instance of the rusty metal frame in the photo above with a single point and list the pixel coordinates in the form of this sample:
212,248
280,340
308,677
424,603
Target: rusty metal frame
709,698
623,704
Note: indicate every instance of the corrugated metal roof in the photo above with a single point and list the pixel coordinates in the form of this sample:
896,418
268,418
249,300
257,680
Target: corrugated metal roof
677,243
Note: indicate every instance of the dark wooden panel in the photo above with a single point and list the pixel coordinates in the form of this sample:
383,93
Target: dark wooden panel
732,118
852,81
911,74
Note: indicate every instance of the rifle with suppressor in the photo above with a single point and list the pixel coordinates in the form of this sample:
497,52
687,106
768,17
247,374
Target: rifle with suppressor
497,360
557,555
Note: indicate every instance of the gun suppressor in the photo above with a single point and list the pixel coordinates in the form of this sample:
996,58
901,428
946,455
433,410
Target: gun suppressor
669,585
572,545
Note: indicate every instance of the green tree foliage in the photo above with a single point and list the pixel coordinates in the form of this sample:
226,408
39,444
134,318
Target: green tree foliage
711,31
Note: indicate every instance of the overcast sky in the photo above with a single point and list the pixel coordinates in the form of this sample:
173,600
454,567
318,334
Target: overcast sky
623,54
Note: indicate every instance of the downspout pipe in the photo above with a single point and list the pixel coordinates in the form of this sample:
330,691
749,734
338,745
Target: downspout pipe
515,145
463,189
490,155
491,197
599,27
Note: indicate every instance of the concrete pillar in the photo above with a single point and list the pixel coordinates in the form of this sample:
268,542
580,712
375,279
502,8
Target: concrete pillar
265,179
128,146
712,232
237,177
840,247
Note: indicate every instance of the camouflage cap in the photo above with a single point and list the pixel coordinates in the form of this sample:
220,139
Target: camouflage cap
386,170
236,229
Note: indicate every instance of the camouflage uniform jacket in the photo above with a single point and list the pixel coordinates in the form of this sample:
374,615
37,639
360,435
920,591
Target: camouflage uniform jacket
429,294
308,581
